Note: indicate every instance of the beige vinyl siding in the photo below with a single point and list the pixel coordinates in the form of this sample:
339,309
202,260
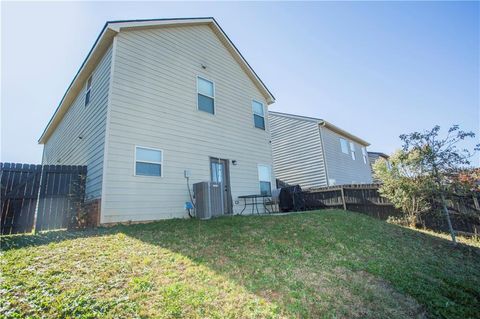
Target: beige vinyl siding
297,151
154,104
341,167
64,145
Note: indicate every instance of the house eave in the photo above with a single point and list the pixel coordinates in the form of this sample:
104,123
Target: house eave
103,41
148,24
344,133
325,124
99,48
294,116
379,154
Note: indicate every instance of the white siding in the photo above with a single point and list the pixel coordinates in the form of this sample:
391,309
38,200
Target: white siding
154,104
297,151
341,167
64,145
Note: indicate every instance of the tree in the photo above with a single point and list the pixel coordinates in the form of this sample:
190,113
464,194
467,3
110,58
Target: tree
435,157
404,184
467,179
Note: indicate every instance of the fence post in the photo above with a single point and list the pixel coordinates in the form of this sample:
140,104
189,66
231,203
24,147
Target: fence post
40,199
475,202
343,198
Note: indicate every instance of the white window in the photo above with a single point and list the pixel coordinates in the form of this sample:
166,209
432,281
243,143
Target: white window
88,92
258,115
344,145
205,95
148,161
364,154
352,150
264,177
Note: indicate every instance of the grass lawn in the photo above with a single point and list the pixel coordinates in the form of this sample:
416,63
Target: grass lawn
325,264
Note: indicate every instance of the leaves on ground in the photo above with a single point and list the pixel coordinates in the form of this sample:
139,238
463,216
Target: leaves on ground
326,264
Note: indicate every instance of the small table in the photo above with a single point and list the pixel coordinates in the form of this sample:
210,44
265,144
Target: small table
254,202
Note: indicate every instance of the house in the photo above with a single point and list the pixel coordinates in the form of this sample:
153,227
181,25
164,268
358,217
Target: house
156,101
315,153
373,157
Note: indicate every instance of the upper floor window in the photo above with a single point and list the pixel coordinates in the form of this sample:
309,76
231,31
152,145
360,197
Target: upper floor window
258,115
344,145
265,179
205,95
352,150
148,161
364,154
88,92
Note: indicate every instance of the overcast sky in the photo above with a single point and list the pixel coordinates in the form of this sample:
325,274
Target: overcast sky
375,69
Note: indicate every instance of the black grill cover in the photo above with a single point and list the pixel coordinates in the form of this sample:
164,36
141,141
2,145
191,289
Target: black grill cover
291,199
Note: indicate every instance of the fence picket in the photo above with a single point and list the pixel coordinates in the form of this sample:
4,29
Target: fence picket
28,188
366,199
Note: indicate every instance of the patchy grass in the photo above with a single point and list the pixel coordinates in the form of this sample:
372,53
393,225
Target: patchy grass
326,264
472,241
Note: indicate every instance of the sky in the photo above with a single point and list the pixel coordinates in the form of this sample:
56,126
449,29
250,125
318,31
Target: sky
375,69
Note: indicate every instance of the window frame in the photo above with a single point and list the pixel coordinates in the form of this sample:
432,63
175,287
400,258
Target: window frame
270,177
352,151
88,90
212,97
364,154
264,128
149,162
346,144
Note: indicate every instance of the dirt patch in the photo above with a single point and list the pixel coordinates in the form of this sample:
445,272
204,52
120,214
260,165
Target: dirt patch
271,295
355,294
394,302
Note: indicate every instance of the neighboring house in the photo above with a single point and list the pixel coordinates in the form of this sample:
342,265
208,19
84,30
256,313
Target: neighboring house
373,157
156,100
314,153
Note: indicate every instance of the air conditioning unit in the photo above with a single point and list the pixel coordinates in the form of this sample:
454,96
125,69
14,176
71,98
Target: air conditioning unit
208,199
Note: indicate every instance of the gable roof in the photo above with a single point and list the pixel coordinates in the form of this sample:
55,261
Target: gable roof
105,38
380,154
325,124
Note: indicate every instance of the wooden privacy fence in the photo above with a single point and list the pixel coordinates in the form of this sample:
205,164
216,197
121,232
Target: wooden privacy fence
40,197
464,214
363,198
